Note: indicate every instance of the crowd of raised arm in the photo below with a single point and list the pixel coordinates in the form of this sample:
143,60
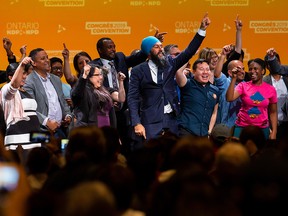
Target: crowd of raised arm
150,133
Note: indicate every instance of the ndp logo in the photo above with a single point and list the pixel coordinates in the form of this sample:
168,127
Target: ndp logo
145,3
186,27
108,28
22,28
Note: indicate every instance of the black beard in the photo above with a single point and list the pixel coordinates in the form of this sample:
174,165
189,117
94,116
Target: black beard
160,62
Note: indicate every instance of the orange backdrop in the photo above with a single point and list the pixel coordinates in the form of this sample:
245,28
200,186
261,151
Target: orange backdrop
80,23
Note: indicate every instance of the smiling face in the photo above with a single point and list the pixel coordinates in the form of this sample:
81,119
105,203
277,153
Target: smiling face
107,50
157,54
57,69
41,62
97,78
256,72
202,72
80,62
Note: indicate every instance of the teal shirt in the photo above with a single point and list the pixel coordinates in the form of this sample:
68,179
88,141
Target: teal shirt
196,107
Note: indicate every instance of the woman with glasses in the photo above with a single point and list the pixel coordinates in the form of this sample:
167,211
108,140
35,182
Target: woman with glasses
57,69
93,103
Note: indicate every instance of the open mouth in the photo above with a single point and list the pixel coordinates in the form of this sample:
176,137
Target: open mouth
253,75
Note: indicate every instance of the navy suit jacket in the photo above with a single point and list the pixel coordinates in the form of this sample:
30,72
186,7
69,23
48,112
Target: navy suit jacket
146,98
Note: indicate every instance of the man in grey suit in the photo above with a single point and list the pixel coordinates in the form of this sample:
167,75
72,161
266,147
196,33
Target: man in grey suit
52,110
278,78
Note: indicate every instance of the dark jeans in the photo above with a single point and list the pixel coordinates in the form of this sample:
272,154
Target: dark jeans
238,129
61,133
183,132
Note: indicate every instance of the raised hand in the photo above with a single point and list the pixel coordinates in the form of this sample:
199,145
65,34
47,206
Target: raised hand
86,69
205,22
159,35
236,70
227,49
121,76
23,50
238,23
65,52
271,52
7,44
27,60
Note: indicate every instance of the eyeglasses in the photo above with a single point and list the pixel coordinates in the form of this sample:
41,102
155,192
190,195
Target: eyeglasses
56,68
99,74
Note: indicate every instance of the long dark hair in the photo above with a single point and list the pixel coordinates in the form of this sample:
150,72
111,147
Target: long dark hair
75,61
102,94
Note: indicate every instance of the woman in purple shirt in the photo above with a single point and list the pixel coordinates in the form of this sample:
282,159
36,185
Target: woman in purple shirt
93,103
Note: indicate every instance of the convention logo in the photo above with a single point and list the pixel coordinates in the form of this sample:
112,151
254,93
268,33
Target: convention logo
142,3
269,27
22,28
63,3
186,27
115,28
229,2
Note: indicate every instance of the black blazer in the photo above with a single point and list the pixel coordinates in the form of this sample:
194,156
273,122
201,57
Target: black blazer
85,105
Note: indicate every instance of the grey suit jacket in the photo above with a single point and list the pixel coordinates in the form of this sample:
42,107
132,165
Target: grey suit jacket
277,67
35,88
268,80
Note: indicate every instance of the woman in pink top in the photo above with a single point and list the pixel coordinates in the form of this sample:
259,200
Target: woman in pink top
259,100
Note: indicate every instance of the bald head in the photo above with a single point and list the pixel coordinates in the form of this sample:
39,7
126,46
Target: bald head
239,65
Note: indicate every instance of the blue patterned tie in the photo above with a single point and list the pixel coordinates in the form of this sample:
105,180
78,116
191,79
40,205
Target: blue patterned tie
114,75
